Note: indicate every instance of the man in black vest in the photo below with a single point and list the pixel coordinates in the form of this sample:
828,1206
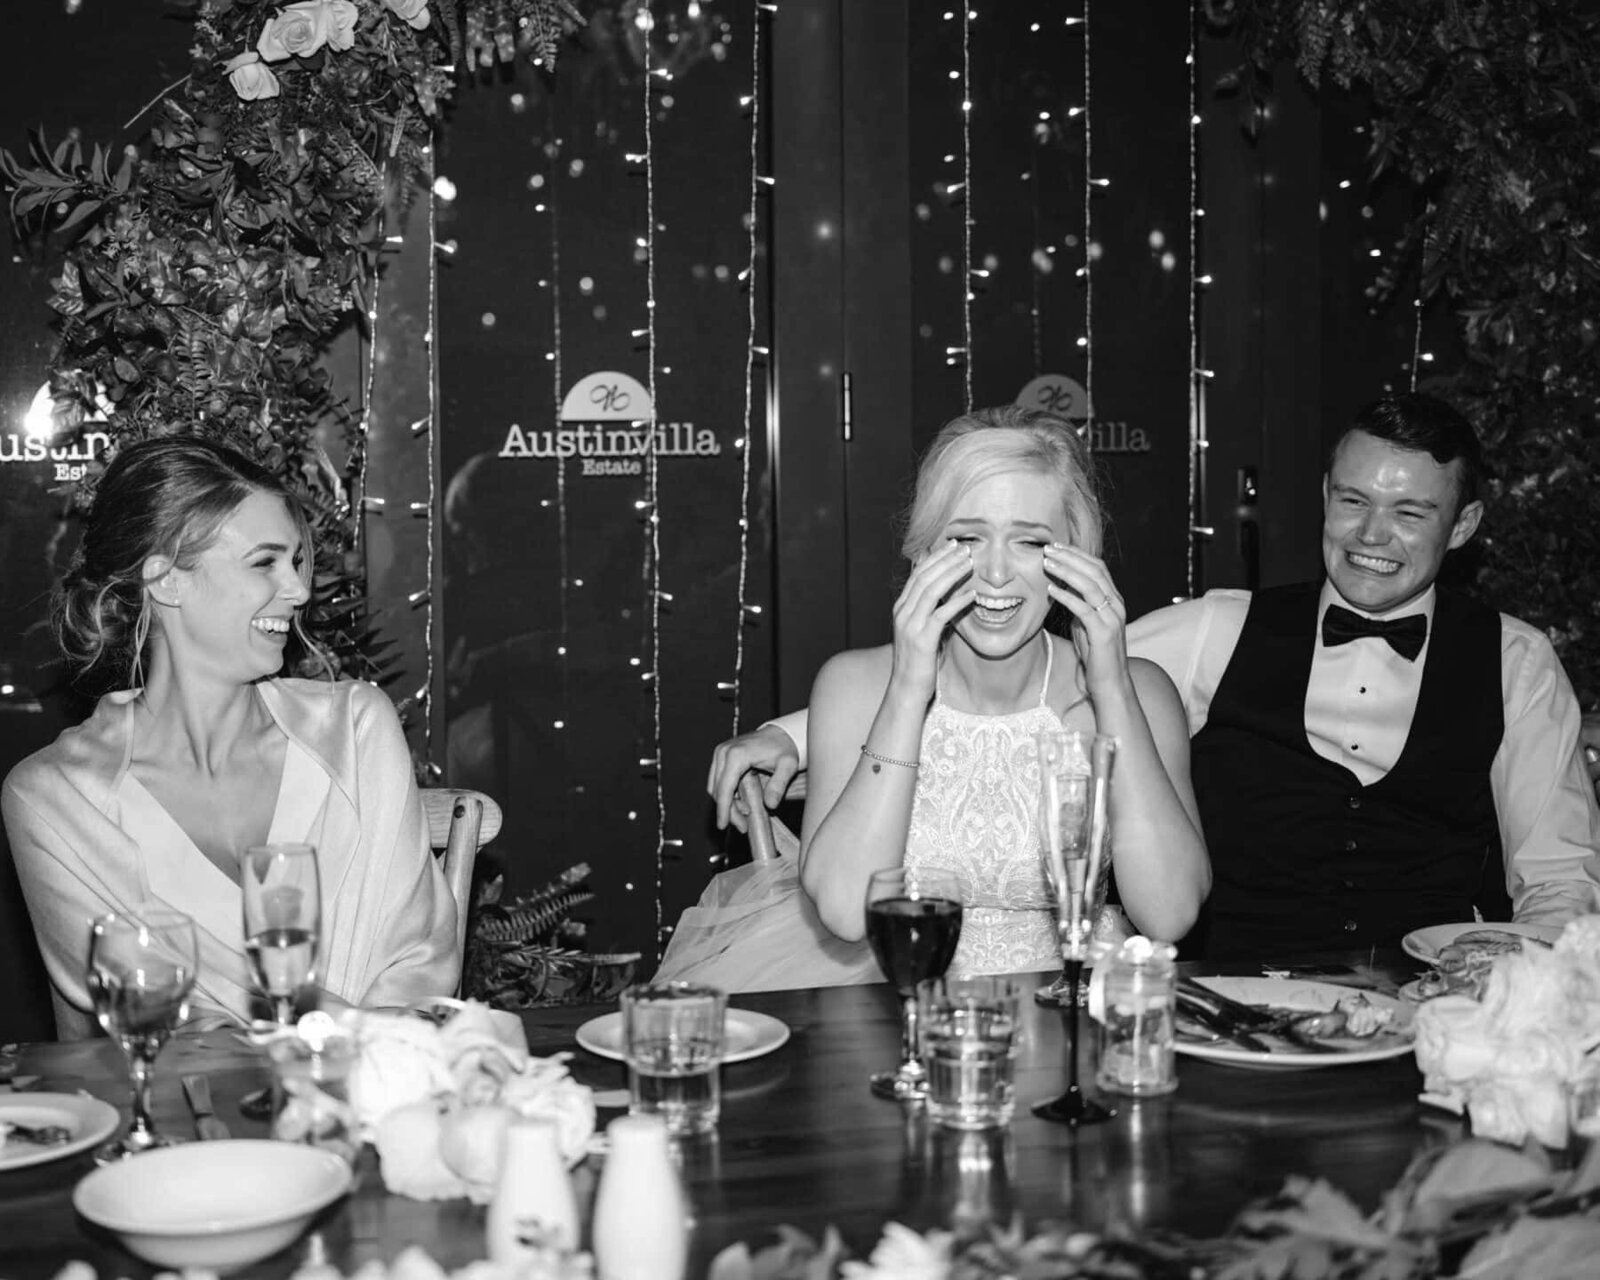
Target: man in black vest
1371,755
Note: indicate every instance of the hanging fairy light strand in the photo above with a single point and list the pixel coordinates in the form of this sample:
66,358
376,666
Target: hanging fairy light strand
1417,356
1197,426
1089,184
431,443
754,102
361,502
966,198
563,566
652,466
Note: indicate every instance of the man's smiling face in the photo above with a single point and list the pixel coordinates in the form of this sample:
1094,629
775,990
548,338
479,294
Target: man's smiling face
1388,518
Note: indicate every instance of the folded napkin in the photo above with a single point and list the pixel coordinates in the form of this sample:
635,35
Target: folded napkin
1508,1057
435,1098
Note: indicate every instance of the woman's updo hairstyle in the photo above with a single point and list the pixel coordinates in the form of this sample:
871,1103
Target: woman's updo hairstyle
165,496
985,443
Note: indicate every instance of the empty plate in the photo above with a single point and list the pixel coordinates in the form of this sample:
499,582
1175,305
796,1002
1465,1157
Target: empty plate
750,1035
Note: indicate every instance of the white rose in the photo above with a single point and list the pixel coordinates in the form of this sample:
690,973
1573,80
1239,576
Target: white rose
1455,1041
1581,938
298,31
1496,1111
414,12
251,78
1538,1053
398,1065
563,1100
902,1254
342,15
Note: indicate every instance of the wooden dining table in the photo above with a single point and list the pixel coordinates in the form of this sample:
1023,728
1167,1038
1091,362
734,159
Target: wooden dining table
802,1141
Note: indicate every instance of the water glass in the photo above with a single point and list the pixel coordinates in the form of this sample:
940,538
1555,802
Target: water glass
1133,996
673,1040
970,1028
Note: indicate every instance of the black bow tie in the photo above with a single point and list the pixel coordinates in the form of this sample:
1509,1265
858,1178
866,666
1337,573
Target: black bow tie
1405,635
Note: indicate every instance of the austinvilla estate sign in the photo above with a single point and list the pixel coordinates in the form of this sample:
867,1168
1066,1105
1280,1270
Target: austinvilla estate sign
608,423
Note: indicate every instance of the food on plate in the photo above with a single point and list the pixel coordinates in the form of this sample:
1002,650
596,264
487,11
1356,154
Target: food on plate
1461,966
1352,1017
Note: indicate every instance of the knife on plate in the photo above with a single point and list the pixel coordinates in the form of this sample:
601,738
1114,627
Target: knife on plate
1256,1021
197,1089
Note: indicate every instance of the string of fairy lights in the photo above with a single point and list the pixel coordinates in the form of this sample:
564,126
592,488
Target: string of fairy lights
1198,280
750,102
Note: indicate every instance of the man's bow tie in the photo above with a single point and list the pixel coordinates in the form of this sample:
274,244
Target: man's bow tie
1405,635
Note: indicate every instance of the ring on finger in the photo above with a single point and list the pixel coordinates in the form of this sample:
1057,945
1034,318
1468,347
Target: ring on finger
1102,604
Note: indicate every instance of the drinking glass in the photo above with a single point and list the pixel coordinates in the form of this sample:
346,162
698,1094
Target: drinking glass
1069,792
282,922
673,1037
1075,779
141,970
913,925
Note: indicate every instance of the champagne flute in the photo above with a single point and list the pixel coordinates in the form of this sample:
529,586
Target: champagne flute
913,925
1075,777
141,970
282,922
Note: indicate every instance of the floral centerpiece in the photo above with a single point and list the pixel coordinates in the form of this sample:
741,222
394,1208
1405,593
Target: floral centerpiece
434,1098
1509,1057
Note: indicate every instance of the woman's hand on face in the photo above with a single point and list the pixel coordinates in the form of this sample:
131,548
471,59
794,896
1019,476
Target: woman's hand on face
1082,585
939,588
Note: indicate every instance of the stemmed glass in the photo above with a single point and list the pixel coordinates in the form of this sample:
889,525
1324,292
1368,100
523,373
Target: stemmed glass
1075,777
913,924
141,970
1067,761
282,921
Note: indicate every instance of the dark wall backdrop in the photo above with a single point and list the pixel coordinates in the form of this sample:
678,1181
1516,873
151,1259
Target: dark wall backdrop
553,684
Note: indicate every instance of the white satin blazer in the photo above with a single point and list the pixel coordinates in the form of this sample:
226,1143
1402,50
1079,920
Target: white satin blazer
87,839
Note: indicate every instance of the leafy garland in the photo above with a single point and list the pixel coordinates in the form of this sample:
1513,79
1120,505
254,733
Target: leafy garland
206,275
1472,1209
1490,111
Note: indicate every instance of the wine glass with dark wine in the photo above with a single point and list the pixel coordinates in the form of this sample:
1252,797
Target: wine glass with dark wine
913,925
141,970
1074,785
282,922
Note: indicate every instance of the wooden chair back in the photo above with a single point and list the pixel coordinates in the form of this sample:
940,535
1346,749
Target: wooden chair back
460,822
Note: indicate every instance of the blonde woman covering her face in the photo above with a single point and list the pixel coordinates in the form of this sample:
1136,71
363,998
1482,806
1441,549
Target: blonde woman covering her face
922,750
186,594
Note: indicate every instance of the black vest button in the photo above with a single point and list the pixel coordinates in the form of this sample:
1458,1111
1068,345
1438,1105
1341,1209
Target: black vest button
1348,884
1350,846
1350,926
1355,802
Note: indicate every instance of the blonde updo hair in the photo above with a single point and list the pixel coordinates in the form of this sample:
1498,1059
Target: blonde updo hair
166,496
985,443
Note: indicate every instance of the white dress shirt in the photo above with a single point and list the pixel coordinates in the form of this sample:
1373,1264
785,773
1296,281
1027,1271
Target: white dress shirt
1360,701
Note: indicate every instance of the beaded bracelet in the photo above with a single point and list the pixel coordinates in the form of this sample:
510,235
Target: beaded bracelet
883,760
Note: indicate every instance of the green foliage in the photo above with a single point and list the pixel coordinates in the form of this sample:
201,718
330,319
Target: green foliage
206,273
526,952
1491,111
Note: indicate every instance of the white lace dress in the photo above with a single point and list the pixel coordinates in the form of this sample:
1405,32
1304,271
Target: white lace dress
976,812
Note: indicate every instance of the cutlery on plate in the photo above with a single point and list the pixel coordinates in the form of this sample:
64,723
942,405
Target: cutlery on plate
1254,1020
1191,1009
197,1089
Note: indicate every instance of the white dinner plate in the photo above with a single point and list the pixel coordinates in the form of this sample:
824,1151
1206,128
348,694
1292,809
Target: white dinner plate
89,1120
749,1035
1425,944
1300,993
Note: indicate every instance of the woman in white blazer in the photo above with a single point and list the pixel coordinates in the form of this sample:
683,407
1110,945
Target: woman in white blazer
187,589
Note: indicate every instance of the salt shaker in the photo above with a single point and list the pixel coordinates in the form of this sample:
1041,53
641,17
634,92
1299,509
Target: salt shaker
535,1210
641,1218
1137,1034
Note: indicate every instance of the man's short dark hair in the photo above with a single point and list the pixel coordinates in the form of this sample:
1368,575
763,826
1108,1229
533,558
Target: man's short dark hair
1424,424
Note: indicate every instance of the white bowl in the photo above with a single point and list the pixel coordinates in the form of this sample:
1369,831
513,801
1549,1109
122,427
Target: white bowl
221,1205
